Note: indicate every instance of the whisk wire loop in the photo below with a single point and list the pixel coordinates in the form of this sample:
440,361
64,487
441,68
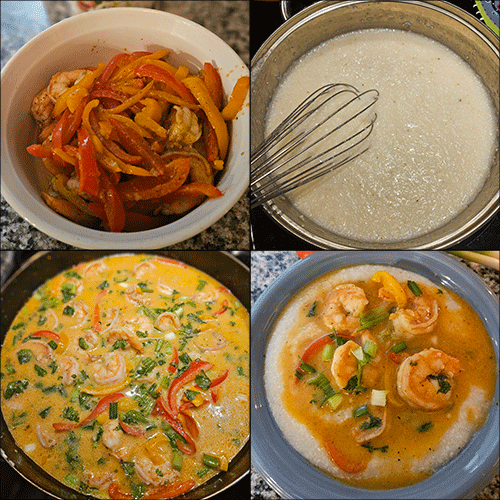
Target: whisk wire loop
295,148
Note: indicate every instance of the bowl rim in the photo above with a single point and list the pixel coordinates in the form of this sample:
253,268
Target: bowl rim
38,214
292,476
291,221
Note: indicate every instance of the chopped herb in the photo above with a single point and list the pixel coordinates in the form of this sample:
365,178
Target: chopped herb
18,419
413,363
72,274
190,394
15,387
71,414
82,343
119,344
371,423
68,311
145,287
68,291
425,427
202,381
40,371
128,468
19,325
360,411
371,448
401,346
137,489
324,384
45,412
103,285
444,385
312,311
201,285
24,356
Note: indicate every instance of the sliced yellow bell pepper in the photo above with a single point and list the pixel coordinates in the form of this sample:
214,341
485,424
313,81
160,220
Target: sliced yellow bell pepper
201,93
127,71
63,343
182,72
76,97
147,122
113,163
124,119
105,389
132,100
152,108
390,284
86,123
174,99
158,447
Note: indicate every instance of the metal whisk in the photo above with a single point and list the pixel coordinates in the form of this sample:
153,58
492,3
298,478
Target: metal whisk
326,131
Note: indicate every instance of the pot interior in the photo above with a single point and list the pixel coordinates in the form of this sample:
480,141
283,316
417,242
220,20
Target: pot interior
437,20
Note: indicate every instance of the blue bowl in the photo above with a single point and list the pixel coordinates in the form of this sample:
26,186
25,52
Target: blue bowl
292,476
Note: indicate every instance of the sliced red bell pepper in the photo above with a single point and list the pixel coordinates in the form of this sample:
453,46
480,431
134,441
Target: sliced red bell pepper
48,334
171,490
132,431
164,76
137,145
110,68
113,204
57,137
304,253
191,425
223,309
111,145
194,369
101,407
343,462
105,93
166,413
74,121
115,492
219,379
89,173
140,222
143,188
39,151
174,363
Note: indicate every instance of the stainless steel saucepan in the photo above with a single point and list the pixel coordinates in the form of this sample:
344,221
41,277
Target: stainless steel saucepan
438,20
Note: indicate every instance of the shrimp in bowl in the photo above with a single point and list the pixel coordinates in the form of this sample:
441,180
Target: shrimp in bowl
378,376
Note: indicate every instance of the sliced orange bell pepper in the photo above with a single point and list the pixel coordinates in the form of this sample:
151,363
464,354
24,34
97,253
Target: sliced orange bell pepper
200,91
237,98
39,151
144,188
199,188
343,462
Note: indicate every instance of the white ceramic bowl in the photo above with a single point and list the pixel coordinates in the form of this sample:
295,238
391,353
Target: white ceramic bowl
86,40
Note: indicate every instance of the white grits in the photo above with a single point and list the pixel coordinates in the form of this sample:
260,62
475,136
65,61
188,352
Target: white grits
426,163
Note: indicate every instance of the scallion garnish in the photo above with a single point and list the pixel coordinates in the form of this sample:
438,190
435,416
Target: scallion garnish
400,346
414,288
327,353
370,348
372,318
360,411
113,410
306,367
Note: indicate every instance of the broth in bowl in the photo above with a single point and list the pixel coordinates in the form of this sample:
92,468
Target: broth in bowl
378,376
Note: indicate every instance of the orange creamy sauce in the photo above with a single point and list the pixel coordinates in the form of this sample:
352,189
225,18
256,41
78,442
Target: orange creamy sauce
410,433
134,326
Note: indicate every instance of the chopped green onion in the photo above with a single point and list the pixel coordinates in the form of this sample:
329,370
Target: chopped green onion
372,318
335,401
425,427
414,288
82,343
177,460
401,346
360,411
113,410
210,461
305,367
327,352
359,354
378,398
312,311
370,348
324,384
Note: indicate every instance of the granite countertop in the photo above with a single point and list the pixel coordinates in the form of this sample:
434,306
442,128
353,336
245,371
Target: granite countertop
21,21
265,268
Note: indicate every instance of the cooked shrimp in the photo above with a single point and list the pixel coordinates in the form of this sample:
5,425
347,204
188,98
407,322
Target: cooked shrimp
345,366
154,474
141,323
40,349
112,439
127,334
93,270
81,313
60,82
98,479
41,108
343,306
144,268
46,438
109,369
185,128
418,319
363,436
69,368
168,322
136,296
425,379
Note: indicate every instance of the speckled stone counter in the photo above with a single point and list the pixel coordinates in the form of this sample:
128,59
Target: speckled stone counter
265,268
21,21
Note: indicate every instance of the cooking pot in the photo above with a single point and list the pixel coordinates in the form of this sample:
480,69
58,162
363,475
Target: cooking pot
44,265
438,20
